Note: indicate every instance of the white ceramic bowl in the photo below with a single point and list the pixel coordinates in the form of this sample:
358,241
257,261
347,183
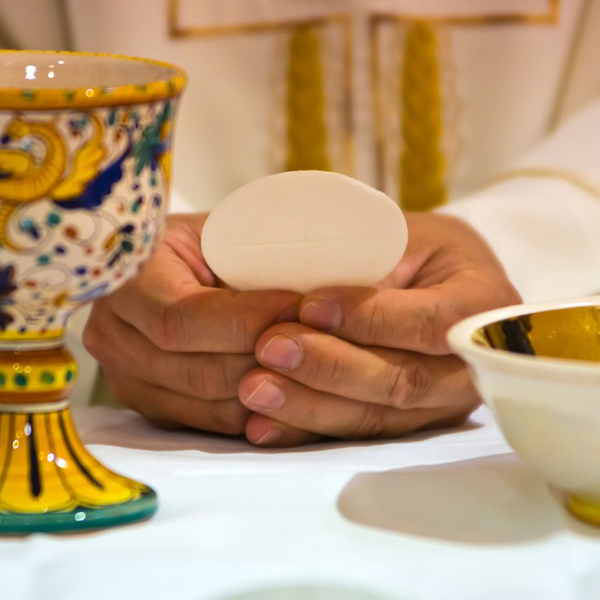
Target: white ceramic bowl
538,368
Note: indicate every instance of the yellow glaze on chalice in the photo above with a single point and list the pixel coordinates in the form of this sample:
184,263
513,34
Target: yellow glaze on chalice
65,476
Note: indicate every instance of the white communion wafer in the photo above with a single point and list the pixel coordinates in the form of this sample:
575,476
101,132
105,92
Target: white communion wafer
304,230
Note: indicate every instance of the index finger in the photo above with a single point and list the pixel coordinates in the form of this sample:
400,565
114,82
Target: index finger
178,314
413,319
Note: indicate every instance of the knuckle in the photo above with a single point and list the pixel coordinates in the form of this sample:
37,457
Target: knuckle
92,341
327,372
196,378
309,415
241,332
96,339
230,374
377,321
209,378
430,332
337,373
455,313
451,315
229,417
168,330
436,320
411,383
370,424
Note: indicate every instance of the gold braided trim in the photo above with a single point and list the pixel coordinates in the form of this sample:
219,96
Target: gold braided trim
548,173
378,20
343,21
306,130
422,162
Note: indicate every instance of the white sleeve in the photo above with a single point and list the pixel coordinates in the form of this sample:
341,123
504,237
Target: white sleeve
543,218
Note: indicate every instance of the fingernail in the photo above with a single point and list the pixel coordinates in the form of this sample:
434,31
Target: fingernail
321,314
281,352
289,315
271,436
267,396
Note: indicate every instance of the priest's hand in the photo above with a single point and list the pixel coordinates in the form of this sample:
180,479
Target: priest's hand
373,362
173,346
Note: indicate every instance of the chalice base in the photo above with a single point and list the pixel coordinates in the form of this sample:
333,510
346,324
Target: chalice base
585,508
49,482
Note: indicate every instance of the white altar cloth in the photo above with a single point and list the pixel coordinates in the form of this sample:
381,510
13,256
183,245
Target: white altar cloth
450,515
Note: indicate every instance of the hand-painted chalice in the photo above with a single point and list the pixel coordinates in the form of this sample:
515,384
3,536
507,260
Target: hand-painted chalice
85,153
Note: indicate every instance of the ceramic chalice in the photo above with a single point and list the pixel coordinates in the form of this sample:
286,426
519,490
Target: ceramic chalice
85,153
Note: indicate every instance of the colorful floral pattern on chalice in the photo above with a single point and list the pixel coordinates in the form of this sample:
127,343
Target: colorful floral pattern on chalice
84,178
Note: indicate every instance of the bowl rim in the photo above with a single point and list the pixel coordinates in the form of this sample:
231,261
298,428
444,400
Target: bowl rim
23,98
460,339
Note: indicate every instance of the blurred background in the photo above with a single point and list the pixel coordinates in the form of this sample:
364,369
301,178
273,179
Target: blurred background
31,23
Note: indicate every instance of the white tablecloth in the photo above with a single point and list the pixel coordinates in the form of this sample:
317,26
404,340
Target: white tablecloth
446,515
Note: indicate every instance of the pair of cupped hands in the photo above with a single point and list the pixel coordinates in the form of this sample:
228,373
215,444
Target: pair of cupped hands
284,369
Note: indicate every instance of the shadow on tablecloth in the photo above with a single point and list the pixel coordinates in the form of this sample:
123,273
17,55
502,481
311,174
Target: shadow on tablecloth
125,429
491,500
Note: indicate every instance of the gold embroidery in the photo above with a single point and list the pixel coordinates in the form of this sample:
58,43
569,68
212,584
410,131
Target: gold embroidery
307,134
343,21
376,22
548,18
422,163
403,21
178,31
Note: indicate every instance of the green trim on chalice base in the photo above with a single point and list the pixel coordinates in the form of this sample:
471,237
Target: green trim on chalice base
80,519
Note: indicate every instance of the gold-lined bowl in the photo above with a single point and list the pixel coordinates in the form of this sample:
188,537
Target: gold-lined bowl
538,368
